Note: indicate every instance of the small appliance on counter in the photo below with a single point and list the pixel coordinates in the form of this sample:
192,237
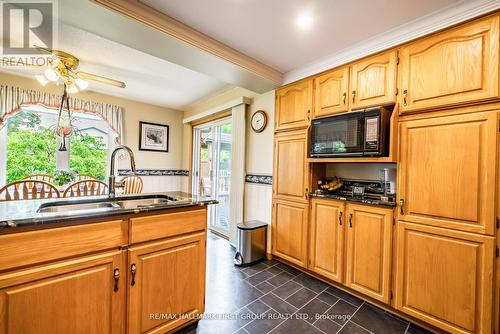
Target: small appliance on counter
364,191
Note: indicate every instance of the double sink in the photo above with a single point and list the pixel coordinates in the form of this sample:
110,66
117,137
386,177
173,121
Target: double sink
105,204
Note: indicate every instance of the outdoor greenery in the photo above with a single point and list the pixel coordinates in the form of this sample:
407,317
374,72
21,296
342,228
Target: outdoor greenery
31,149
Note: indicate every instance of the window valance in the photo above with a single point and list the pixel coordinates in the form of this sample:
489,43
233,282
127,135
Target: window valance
13,98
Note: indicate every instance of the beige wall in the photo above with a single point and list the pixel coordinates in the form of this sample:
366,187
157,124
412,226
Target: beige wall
133,113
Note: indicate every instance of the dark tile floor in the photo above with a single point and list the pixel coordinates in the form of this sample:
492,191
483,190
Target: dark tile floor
271,297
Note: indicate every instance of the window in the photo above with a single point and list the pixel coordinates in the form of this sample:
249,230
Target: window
32,147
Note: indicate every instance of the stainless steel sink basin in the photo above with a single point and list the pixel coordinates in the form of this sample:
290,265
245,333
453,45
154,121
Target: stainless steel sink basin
64,207
143,202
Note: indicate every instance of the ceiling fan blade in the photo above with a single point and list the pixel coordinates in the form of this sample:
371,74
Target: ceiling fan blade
44,49
98,78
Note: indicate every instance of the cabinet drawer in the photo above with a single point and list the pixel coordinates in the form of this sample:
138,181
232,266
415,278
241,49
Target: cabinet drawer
26,248
167,225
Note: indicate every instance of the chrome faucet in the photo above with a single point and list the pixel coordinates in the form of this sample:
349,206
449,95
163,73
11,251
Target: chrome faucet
112,185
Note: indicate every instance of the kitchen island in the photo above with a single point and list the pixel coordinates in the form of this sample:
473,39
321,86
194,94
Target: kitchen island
132,264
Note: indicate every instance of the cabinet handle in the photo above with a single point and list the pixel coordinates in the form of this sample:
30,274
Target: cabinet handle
340,218
345,96
308,114
401,205
306,193
405,92
353,96
133,270
116,276
350,220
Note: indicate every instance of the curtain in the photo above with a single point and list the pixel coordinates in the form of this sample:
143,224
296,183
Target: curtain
12,98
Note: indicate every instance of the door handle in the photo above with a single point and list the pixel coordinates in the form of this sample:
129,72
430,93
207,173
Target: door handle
116,276
340,218
350,220
401,206
133,271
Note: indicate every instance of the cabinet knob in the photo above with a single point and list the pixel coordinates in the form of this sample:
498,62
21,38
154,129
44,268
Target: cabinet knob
133,270
116,276
350,220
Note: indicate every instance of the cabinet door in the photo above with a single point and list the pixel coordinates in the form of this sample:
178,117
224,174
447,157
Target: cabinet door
326,255
331,92
291,170
447,171
369,246
453,67
445,277
166,283
289,231
293,106
75,296
373,81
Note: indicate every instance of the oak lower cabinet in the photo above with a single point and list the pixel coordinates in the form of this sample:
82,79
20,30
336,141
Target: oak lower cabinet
453,67
331,92
326,239
369,250
289,231
291,169
166,285
294,106
447,169
81,295
373,81
445,277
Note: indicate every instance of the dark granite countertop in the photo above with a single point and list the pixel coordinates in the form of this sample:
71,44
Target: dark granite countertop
355,200
21,215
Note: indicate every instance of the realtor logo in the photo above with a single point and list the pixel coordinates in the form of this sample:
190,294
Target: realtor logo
25,24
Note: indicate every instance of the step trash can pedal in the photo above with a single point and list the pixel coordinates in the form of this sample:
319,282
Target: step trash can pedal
252,242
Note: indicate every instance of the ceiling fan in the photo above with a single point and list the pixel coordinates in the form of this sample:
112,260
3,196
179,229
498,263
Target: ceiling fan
64,67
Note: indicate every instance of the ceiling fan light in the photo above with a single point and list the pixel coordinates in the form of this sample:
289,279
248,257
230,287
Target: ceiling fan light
41,79
82,84
51,74
72,89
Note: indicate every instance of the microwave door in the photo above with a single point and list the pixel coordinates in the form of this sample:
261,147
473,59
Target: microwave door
338,135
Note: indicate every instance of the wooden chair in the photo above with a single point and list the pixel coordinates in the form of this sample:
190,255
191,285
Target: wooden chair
40,177
28,189
82,177
86,188
132,184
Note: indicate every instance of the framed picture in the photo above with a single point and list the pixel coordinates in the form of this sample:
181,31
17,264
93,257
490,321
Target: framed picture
153,137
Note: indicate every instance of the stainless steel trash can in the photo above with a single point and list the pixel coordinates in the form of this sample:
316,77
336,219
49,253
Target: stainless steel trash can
252,242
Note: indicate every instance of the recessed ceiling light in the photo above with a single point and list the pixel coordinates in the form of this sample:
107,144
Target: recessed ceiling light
304,21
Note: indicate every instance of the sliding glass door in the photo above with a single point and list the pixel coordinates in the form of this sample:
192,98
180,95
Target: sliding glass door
212,169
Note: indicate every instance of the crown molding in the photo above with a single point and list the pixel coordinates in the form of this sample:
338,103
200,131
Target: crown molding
446,17
155,19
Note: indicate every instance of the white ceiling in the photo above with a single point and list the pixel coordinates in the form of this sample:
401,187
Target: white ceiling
266,29
148,79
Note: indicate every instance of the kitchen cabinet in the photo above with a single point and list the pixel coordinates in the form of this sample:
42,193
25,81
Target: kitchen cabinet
80,295
166,277
291,169
369,247
289,231
293,106
453,67
373,81
331,90
326,255
447,171
444,277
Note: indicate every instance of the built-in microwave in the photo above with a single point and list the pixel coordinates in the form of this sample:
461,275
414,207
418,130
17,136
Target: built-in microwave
350,134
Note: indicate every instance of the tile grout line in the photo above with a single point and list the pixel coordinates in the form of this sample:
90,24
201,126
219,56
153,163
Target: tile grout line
345,323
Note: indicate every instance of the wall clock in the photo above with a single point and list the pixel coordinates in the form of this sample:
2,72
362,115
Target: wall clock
259,121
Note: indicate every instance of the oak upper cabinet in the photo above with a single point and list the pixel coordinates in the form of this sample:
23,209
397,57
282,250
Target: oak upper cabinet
166,278
373,81
331,92
326,239
289,231
445,277
294,105
81,295
291,170
369,247
447,171
453,67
